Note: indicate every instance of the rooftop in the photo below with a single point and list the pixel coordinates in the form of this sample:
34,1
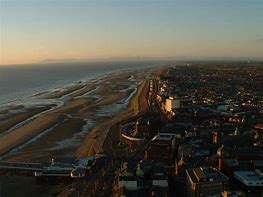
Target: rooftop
230,194
250,178
164,136
199,175
231,162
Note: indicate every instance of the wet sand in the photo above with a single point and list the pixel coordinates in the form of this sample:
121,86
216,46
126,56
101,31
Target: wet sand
71,92
7,123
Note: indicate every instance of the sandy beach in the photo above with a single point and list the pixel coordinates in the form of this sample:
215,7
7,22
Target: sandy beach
78,126
7,123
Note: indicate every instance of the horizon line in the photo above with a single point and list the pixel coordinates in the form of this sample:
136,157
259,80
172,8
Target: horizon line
142,58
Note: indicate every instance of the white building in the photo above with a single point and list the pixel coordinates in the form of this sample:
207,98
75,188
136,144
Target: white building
128,180
168,105
171,104
159,179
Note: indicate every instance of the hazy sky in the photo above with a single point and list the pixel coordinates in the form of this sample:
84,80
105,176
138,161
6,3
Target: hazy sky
34,30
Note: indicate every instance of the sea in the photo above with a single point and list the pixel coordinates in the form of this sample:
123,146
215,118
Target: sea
22,81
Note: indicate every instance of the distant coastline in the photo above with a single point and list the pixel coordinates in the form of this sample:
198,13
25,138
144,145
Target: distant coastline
23,81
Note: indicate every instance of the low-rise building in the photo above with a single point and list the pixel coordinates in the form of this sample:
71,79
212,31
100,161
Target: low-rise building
205,182
230,194
141,179
250,181
161,148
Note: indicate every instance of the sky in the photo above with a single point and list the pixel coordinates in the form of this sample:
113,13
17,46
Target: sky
37,30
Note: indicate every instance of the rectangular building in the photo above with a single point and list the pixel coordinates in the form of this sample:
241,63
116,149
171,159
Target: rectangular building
161,148
250,181
205,182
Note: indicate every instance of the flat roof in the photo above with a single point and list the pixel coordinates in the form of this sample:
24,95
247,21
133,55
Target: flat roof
250,178
231,162
258,163
199,175
230,194
164,136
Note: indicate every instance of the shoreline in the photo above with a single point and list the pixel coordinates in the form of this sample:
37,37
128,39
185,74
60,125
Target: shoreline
112,90
86,80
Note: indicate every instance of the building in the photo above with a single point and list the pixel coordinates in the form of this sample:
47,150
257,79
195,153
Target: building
250,181
228,166
194,149
161,148
215,137
70,166
141,179
171,104
230,194
205,182
136,131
